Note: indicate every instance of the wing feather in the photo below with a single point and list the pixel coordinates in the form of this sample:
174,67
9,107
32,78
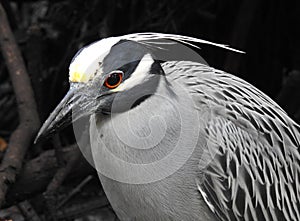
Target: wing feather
253,172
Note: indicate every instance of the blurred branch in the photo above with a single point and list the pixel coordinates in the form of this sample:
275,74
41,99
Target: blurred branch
84,207
29,121
28,211
42,169
58,179
76,190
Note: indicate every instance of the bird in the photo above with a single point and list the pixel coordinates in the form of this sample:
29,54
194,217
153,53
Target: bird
176,139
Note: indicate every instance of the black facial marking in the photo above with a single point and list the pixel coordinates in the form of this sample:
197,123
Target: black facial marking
127,69
156,68
124,53
126,56
140,100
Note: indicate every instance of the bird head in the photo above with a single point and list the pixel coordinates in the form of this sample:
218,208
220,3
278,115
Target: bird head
99,73
113,74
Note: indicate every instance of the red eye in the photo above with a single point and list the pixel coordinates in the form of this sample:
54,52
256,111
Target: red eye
113,80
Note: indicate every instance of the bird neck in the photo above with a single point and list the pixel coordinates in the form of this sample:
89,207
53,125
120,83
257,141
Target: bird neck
136,135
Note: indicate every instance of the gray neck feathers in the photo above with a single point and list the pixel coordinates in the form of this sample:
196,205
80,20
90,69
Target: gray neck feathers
146,132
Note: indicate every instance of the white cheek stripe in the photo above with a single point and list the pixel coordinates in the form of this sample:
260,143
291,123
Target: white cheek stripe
139,74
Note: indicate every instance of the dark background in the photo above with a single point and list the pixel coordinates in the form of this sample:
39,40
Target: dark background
50,32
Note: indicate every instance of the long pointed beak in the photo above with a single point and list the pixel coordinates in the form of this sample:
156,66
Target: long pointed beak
61,116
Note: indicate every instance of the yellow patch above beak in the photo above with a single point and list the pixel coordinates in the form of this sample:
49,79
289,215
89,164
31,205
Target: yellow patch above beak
76,74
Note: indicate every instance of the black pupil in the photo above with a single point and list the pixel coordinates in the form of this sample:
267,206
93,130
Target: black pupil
113,79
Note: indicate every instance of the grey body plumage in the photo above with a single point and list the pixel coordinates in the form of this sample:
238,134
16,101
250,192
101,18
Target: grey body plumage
254,172
245,164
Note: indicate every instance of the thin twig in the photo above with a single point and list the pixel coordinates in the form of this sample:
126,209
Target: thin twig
21,138
56,182
75,191
62,172
28,211
75,210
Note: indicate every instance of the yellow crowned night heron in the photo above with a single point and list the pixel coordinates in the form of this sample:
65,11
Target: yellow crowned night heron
179,140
